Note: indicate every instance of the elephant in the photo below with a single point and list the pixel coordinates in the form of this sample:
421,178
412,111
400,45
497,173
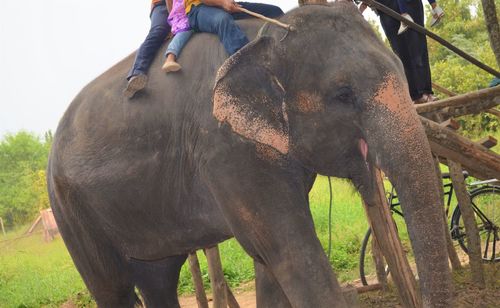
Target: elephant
230,148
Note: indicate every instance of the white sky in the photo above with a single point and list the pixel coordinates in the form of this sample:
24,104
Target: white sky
50,49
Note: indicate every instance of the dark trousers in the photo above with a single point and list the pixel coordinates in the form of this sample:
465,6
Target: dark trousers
411,47
204,18
156,36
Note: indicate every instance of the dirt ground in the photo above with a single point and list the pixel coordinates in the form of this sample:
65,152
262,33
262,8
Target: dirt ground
466,294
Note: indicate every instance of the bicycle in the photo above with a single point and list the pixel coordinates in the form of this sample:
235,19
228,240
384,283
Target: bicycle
485,197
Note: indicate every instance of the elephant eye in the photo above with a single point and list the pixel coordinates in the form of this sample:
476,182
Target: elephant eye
342,95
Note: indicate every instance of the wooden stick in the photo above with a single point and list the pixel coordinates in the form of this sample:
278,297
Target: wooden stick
452,253
217,280
384,230
485,98
494,112
1,223
443,90
475,158
273,21
468,216
194,267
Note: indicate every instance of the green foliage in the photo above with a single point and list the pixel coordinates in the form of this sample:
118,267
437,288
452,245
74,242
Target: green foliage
463,26
23,192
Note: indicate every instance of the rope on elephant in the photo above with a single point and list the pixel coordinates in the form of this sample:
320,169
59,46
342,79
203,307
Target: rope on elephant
384,9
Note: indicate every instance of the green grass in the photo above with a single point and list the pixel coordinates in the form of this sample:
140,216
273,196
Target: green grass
34,273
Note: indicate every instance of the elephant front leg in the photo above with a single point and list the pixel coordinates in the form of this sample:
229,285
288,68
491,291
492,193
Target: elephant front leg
270,217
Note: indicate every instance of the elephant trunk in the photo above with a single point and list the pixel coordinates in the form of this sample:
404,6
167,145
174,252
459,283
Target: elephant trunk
398,145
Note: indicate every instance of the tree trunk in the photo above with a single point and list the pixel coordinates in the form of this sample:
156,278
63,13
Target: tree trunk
491,19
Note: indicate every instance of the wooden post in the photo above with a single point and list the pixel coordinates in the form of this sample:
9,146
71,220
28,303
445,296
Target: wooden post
386,234
378,260
473,239
217,280
476,159
194,267
452,253
1,224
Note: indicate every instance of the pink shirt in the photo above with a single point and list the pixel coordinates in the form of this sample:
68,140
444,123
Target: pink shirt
177,18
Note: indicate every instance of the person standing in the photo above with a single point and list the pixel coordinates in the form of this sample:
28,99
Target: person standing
137,76
411,48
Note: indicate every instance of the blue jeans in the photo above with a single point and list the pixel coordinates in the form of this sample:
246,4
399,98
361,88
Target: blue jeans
403,8
157,34
204,18
178,42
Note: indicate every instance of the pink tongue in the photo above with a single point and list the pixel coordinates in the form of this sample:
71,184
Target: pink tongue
363,148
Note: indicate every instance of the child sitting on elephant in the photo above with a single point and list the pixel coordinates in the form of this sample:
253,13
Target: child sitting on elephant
181,31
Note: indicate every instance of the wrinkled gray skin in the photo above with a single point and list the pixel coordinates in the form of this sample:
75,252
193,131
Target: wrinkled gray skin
136,185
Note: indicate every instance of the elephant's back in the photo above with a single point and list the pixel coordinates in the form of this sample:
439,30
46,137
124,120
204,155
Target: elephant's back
102,125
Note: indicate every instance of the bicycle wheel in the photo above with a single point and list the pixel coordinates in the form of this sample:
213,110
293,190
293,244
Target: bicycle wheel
486,206
367,266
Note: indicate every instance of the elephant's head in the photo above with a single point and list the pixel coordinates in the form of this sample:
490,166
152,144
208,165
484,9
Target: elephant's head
331,96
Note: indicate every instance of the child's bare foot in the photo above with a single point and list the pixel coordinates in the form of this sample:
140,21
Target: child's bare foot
170,64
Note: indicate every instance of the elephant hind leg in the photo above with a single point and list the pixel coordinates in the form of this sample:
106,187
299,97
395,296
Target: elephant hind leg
103,269
157,280
269,292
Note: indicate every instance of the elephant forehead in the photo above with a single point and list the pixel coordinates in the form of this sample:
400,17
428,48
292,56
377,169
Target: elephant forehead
308,102
391,93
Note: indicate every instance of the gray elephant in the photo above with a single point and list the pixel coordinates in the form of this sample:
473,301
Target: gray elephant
137,185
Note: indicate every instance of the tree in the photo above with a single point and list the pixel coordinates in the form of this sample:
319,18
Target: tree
22,157
463,26
491,20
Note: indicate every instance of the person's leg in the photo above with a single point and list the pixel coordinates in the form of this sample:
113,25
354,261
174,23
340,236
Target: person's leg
211,19
419,56
267,10
402,6
398,44
174,50
178,42
157,34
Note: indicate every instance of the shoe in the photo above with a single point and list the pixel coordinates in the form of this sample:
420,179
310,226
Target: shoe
421,100
403,27
430,98
437,14
171,66
135,84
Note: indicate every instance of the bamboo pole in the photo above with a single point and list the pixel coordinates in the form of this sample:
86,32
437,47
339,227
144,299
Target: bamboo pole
458,105
471,231
479,161
378,260
217,280
194,267
386,234
452,253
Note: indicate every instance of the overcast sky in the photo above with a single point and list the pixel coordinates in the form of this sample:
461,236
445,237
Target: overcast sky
50,49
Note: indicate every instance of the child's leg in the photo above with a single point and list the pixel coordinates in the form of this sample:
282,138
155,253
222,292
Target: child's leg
174,49
178,42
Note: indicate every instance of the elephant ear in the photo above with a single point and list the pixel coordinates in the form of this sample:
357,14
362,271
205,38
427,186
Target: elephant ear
249,97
